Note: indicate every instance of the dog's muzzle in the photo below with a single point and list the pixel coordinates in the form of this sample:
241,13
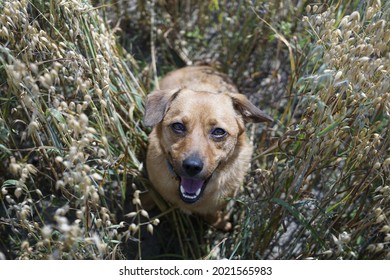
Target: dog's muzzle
190,186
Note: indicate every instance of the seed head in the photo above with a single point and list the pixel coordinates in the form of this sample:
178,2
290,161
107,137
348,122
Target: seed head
149,227
379,247
131,214
380,219
144,213
136,201
355,16
18,192
385,229
378,211
377,165
133,228
155,222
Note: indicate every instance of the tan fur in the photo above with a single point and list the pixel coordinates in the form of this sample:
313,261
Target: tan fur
201,99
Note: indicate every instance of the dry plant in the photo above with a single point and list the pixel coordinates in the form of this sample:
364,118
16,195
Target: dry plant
72,142
70,133
325,191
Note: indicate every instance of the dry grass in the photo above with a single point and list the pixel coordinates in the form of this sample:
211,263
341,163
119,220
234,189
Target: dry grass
71,135
72,142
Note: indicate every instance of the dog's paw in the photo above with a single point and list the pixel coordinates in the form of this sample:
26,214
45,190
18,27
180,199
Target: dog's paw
224,226
220,221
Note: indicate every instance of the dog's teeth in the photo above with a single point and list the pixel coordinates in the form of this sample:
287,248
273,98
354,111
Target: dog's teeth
187,195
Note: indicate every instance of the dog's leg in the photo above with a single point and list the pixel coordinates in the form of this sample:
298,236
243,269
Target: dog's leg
220,220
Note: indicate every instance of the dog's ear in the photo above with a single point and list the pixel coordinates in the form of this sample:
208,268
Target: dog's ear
249,111
157,104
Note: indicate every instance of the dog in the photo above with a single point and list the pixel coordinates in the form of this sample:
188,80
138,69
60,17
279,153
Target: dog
198,152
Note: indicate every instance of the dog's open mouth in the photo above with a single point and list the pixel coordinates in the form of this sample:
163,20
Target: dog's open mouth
191,189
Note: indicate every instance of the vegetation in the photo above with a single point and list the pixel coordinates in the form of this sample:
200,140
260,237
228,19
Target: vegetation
73,79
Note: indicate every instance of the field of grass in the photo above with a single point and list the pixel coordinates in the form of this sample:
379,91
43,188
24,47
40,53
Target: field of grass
74,75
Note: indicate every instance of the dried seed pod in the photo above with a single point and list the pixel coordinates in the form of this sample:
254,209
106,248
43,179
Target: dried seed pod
149,228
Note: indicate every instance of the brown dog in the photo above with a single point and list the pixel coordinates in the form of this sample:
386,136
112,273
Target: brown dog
198,151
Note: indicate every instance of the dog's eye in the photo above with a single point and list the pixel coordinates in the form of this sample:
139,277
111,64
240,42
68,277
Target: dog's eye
178,128
218,133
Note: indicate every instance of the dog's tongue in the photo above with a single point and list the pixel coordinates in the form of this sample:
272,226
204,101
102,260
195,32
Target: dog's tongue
190,189
191,186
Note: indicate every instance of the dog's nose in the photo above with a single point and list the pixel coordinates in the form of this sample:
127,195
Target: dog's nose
192,165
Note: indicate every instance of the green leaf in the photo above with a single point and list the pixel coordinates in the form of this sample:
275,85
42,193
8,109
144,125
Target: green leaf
57,115
10,183
330,127
297,215
213,5
4,150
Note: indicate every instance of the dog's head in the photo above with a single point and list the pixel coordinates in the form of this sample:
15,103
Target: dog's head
198,132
